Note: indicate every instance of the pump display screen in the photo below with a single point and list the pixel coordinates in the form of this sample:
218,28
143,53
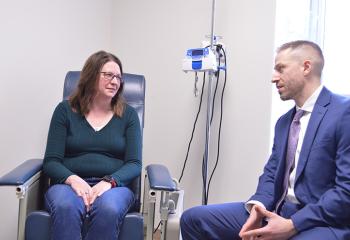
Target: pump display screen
197,52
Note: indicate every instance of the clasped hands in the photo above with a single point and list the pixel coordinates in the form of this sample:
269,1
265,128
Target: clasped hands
277,228
85,191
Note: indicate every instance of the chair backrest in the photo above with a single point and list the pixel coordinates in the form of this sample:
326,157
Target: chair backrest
134,94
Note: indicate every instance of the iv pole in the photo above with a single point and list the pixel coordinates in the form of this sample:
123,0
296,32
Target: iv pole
209,112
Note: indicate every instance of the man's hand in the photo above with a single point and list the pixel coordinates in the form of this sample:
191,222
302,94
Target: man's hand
278,228
253,222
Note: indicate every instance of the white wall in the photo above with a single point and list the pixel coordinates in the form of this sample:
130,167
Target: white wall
151,38
42,40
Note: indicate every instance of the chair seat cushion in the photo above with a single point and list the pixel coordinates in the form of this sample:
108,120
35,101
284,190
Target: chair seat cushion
38,226
132,227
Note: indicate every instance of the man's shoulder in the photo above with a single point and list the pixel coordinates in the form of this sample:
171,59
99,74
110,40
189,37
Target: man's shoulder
328,97
340,99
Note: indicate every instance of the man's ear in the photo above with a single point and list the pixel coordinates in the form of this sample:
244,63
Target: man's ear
307,67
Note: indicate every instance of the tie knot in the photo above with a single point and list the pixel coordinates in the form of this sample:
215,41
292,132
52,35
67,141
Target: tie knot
298,115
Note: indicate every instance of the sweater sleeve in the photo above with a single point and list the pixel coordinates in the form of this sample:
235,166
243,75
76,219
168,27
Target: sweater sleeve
55,147
133,153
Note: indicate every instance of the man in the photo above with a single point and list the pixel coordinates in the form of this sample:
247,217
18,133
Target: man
304,191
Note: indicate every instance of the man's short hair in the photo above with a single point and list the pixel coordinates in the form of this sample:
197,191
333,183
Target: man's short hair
294,45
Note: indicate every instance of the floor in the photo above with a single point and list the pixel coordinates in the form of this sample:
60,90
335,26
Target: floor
156,235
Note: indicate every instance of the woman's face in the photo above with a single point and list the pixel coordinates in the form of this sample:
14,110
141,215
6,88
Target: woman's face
109,80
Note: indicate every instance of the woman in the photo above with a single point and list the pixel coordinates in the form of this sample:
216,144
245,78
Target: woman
93,151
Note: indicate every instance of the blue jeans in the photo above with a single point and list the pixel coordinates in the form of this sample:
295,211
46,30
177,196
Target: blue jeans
69,216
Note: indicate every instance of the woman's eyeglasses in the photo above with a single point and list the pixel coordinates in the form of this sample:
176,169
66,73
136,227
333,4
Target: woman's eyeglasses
109,76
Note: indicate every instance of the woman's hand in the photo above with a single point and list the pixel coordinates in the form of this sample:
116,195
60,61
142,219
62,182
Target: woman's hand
98,190
81,188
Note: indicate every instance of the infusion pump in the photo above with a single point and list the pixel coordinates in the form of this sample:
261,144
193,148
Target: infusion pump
200,60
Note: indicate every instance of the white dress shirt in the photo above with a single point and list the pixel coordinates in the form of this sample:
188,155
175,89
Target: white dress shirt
304,121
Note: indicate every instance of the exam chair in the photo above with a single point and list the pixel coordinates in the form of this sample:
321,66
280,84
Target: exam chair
30,184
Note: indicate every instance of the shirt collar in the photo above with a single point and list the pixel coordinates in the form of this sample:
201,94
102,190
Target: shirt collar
310,102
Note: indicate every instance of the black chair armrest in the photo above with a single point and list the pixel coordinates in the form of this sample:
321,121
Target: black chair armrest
159,178
22,173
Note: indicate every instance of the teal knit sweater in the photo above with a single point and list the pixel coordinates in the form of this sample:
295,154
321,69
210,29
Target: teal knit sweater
74,147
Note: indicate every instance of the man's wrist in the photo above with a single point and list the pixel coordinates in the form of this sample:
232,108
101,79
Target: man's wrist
292,228
248,205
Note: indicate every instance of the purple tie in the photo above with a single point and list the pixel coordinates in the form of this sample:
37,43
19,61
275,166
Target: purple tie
293,138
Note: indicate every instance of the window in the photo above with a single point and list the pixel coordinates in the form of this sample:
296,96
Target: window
336,46
295,19
321,21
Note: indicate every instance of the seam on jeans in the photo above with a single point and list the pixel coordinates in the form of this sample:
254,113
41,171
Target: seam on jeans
121,218
127,208
48,203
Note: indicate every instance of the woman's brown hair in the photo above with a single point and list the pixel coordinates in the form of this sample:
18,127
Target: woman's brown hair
83,96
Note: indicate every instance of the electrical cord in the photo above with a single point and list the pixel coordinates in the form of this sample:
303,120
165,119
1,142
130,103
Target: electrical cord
217,74
193,129
155,230
204,177
219,48
220,124
195,122
214,96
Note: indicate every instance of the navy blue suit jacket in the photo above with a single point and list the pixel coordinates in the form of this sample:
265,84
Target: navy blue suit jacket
322,183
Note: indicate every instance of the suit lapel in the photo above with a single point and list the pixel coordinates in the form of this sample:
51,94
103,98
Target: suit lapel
283,132
317,115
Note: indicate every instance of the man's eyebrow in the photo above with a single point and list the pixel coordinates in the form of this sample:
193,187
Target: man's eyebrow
278,66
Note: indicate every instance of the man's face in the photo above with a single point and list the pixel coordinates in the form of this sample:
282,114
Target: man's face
288,75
